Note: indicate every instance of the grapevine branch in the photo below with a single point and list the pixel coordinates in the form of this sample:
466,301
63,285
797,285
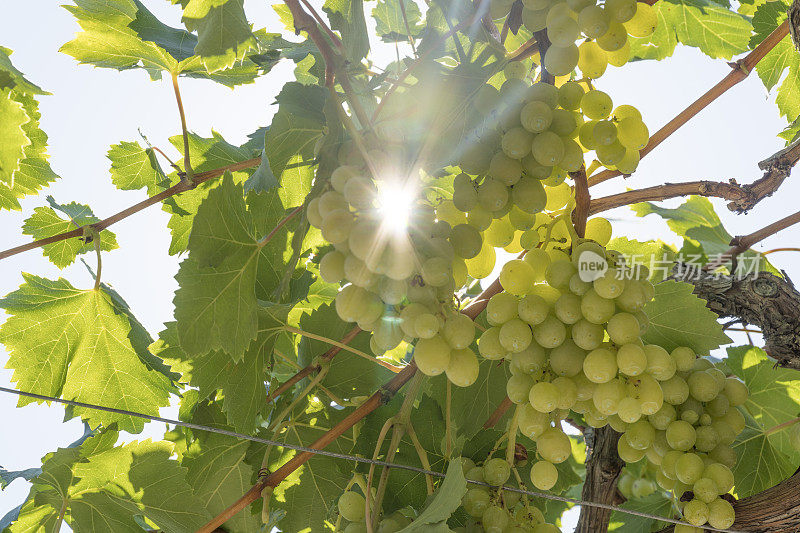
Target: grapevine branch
741,198
582,201
741,69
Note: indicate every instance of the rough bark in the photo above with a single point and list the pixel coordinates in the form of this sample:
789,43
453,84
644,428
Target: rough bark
765,300
603,467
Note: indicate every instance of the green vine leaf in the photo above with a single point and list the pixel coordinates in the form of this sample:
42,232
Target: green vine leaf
347,17
60,218
12,150
704,24
134,167
87,347
224,35
390,22
679,318
446,500
657,503
12,78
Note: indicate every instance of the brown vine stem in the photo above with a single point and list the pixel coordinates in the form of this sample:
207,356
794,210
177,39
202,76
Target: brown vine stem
744,243
498,413
186,159
741,69
178,188
542,44
335,38
582,201
380,397
780,250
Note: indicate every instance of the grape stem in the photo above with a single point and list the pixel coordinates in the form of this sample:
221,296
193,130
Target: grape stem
342,346
582,201
187,165
740,70
369,505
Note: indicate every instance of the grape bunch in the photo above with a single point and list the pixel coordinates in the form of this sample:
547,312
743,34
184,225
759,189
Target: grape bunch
496,510
605,28
637,484
689,438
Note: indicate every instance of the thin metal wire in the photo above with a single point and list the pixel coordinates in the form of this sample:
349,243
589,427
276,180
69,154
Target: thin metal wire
347,457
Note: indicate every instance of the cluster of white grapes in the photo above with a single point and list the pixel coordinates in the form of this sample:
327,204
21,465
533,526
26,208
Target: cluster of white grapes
689,438
605,27
497,510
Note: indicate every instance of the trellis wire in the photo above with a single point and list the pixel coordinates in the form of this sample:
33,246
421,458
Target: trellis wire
365,460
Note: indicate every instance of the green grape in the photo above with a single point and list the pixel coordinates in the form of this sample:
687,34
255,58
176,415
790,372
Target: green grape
517,277
312,213
642,488
533,309
331,201
707,438
735,390
549,333
735,420
548,148
336,226
577,5
534,170
599,230
331,266
536,116
676,390
458,331
719,406
577,286
681,435
724,455
521,220
476,501
689,468
631,359
499,8
489,344
695,512
569,95
568,392
592,61
352,506
615,38
705,490
465,196
721,475
436,271
475,474
501,308
621,10
629,410
492,194
604,133
718,375
626,111
532,423
515,335
618,58
662,418
557,197
530,360
600,365
554,446
495,519
623,328
355,527
559,272
561,60
392,291
611,154
500,233
528,194
627,165
587,335
513,90
543,397
357,272
535,20
643,22
564,123
608,395
586,135
596,104
360,192
649,393
595,308
516,70
496,471
432,355
543,92
544,475
516,144
475,158
466,241
640,435
462,370
720,514
518,388
567,359
668,463
628,453
632,133
593,21
480,218
633,297
351,303
568,308
703,386
562,30
487,100
659,363
503,168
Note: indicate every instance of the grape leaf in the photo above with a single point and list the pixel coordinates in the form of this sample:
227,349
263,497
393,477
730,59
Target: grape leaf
34,171
392,25
224,35
717,31
219,475
446,500
85,346
12,78
656,255
347,17
657,503
46,222
783,56
12,119
774,393
679,318
134,167
759,464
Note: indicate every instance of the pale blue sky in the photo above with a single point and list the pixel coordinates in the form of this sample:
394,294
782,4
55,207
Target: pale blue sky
91,109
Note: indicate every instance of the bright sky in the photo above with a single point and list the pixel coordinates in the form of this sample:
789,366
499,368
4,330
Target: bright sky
90,109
